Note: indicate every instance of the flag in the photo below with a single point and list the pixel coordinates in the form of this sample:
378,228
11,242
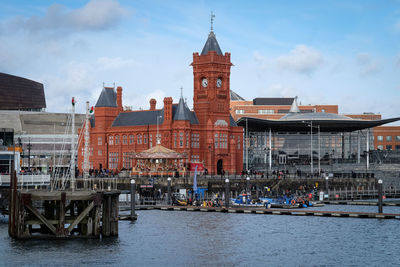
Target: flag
195,181
91,111
73,101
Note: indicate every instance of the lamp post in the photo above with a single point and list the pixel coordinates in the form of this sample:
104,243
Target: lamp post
248,184
327,186
210,150
169,190
312,158
311,148
380,200
133,198
158,137
29,154
226,193
319,151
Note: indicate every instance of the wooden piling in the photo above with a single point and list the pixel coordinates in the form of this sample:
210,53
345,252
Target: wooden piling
63,214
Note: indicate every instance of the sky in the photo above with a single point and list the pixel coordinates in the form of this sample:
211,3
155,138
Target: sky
344,53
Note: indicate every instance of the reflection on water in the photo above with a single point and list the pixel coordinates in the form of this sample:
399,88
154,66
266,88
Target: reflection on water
202,238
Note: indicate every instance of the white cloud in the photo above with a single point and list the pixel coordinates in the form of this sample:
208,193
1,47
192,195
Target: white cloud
367,65
95,15
280,90
302,59
107,63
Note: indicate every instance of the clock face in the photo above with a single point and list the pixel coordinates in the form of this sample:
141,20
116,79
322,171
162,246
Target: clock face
204,82
219,82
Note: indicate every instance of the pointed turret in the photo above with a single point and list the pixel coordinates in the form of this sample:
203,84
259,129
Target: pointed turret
182,111
108,98
211,45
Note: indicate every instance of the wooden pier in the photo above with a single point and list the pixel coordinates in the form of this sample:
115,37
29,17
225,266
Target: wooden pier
63,214
293,212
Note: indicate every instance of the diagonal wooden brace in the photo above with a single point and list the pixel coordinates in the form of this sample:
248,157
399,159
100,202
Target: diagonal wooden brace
41,218
81,216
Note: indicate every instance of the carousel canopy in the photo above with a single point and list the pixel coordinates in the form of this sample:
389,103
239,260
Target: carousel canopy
159,152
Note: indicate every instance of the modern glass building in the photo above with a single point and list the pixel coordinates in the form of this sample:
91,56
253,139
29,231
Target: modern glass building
308,141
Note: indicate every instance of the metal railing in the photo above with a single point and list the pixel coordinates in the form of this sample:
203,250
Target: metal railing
26,180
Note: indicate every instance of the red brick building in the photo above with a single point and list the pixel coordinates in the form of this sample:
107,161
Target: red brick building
206,134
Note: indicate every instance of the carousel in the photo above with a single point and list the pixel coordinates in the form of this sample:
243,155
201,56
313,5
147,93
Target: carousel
159,161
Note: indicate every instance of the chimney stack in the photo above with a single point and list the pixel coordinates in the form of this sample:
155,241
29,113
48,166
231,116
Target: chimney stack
153,103
119,97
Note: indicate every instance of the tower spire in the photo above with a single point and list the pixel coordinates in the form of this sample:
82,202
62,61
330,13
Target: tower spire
181,92
212,20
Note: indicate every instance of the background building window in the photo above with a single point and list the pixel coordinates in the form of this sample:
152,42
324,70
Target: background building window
388,147
380,147
117,139
398,138
389,138
131,139
380,138
239,111
124,139
111,140
139,139
265,111
99,152
397,147
145,138
99,141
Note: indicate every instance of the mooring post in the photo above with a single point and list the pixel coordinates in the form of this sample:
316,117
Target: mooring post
133,198
169,190
380,200
227,193
327,186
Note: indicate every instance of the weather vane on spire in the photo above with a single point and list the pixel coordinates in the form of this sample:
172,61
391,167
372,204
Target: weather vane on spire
181,92
212,20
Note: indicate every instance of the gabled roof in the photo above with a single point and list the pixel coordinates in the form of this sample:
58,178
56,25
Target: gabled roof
211,45
149,117
235,96
108,98
136,118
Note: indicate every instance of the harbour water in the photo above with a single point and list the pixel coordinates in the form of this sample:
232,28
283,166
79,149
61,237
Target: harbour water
180,238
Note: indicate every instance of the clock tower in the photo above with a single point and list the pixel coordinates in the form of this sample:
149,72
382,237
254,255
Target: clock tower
211,73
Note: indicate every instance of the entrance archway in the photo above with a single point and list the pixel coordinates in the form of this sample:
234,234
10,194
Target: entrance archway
219,166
